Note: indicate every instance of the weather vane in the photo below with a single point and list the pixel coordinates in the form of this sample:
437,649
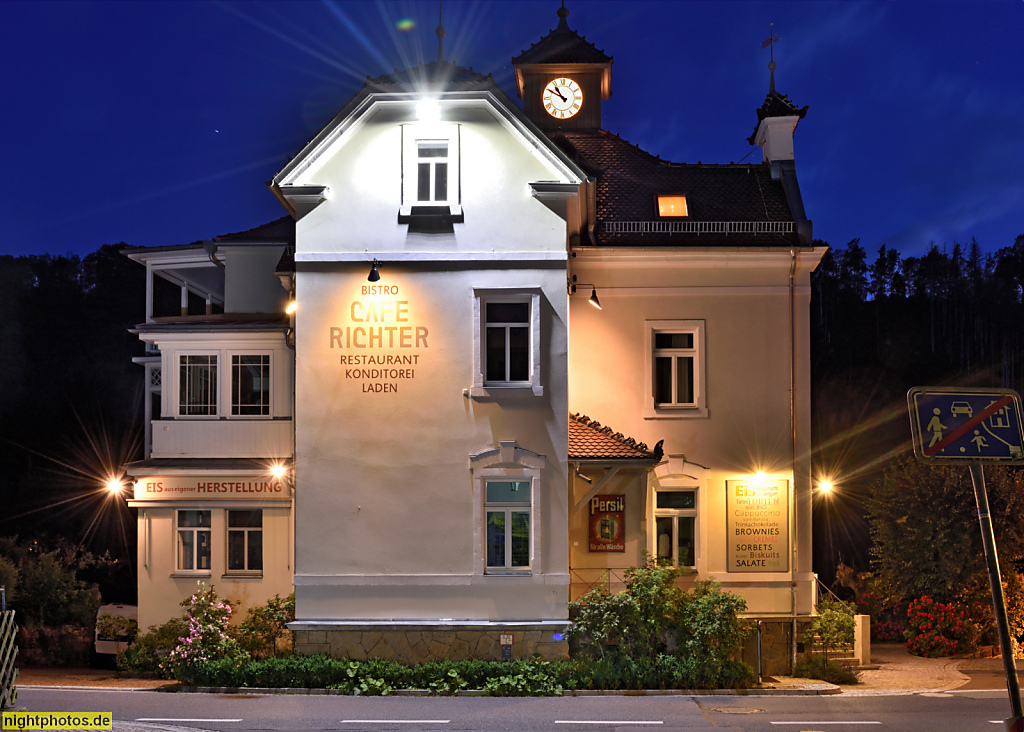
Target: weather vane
769,43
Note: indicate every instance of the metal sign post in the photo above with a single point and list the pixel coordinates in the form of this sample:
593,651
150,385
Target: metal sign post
975,426
988,542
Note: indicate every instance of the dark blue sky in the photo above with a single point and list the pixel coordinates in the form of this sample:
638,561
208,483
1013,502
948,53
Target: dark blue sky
158,123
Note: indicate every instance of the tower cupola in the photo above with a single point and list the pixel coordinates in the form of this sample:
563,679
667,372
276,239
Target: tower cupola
563,78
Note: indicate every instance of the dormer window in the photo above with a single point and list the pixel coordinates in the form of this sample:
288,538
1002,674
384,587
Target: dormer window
430,173
672,207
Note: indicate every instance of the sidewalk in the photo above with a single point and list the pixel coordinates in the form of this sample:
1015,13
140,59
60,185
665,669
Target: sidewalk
898,673
82,677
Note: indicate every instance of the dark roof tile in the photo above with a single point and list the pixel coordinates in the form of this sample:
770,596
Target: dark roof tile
630,179
282,229
588,440
776,105
443,73
562,46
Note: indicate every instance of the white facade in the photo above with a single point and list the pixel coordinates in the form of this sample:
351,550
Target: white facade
220,375
398,423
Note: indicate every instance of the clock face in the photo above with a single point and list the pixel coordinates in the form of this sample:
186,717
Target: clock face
562,98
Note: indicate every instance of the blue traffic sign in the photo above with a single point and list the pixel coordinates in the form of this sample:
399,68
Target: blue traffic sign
966,425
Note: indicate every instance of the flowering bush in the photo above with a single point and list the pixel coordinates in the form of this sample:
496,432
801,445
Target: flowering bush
938,629
888,631
207,617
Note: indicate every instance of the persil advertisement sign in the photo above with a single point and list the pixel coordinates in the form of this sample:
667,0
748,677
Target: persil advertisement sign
607,524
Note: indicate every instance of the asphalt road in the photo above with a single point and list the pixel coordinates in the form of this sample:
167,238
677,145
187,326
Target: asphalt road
963,710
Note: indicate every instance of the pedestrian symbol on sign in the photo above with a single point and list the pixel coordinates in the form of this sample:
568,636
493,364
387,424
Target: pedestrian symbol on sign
966,424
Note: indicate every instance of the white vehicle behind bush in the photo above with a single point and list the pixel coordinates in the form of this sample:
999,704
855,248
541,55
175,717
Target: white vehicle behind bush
116,627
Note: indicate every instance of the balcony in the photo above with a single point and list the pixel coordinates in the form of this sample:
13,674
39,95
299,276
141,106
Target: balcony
222,438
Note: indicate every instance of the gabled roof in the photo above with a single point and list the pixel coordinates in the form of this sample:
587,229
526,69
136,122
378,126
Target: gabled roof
562,46
452,85
588,440
435,73
629,180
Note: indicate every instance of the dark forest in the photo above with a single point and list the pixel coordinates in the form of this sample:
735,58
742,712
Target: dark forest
71,398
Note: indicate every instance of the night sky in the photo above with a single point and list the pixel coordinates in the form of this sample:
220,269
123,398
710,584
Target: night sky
159,123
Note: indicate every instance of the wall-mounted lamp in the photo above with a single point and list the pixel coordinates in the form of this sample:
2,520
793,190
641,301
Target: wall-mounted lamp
114,484
278,471
374,274
593,292
428,110
293,305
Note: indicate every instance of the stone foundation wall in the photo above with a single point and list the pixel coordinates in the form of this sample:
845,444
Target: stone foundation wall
422,643
776,648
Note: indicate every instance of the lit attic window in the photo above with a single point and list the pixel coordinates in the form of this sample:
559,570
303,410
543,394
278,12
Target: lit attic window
672,206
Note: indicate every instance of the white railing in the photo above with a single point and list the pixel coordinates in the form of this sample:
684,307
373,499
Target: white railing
221,438
698,227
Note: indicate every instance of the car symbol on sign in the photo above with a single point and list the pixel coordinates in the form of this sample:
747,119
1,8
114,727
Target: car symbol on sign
961,408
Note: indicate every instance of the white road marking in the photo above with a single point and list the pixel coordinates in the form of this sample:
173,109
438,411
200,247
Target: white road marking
602,721
184,719
396,721
817,723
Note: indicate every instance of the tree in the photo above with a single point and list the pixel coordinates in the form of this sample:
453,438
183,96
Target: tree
924,525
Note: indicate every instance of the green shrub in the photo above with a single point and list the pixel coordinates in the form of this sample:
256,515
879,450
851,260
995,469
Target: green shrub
148,651
8,579
833,627
709,628
516,678
635,621
825,670
525,678
264,631
627,633
50,593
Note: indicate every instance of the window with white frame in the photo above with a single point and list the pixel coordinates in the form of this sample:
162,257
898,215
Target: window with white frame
197,385
250,385
675,527
193,541
507,342
507,519
245,541
430,166
507,331
432,171
675,368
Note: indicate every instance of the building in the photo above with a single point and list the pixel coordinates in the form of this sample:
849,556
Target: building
447,482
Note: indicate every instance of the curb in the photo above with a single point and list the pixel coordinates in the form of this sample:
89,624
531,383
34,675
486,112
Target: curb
803,690
165,687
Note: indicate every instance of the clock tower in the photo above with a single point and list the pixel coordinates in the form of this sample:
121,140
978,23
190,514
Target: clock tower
563,78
